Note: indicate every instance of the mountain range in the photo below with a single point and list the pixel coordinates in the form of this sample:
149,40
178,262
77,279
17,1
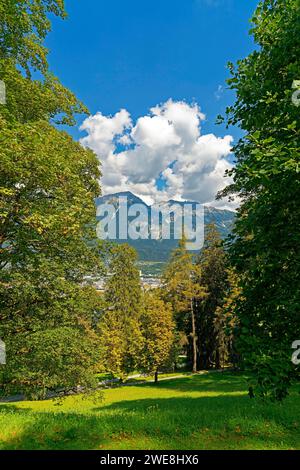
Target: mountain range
154,251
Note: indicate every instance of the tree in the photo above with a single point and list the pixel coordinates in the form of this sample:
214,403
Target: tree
29,101
265,246
212,261
47,322
226,322
183,290
24,26
158,333
48,183
120,333
47,229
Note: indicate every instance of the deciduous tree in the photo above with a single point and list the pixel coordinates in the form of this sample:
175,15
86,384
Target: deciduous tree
47,229
266,241
158,329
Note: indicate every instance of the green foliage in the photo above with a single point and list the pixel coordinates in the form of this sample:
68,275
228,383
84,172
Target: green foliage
212,261
30,100
226,322
180,279
158,333
50,359
120,334
182,288
266,238
48,182
47,322
47,231
24,26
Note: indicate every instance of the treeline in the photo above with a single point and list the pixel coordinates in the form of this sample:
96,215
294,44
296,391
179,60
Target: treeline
202,289
238,305
136,328
191,313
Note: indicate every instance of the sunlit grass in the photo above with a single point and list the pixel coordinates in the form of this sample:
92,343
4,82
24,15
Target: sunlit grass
210,411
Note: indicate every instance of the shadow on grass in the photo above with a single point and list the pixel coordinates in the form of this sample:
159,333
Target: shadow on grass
28,430
220,422
214,381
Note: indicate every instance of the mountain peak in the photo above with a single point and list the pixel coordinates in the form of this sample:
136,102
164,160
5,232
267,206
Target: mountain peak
132,198
158,251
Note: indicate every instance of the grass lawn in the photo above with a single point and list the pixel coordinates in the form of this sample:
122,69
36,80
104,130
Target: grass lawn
210,411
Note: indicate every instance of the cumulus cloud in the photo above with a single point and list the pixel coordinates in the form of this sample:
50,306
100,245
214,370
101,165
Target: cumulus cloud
166,146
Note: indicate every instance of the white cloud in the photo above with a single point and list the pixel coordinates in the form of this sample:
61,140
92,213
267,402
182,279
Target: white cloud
165,143
219,92
102,130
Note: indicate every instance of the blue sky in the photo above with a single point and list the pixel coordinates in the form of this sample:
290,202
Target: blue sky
136,54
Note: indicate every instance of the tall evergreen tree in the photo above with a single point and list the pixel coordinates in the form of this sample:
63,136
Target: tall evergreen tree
226,322
120,327
212,261
182,289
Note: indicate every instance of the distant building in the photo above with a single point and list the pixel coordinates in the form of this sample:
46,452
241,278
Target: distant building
150,282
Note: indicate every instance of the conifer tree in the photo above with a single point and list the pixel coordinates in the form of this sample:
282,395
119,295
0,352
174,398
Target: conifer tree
120,327
183,290
226,322
212,261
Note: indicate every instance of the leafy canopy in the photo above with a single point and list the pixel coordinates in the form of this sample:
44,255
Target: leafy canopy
266,242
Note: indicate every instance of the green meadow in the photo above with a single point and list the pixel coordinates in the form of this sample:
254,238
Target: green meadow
203,411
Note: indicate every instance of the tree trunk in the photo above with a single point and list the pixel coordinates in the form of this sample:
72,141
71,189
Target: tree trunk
156,376
218,361
194,338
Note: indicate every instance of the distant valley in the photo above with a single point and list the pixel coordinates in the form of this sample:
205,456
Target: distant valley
154,253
